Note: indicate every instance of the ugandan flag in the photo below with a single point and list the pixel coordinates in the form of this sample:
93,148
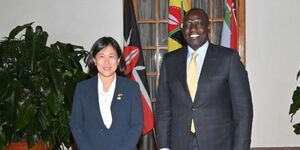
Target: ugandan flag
177,10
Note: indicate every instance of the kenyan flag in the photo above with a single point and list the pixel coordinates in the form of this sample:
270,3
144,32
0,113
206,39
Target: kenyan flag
229,33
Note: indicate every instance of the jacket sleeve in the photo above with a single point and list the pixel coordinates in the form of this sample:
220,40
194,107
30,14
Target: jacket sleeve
241,103
76,122
136,122
163,110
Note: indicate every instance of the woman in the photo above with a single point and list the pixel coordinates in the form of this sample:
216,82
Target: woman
107,108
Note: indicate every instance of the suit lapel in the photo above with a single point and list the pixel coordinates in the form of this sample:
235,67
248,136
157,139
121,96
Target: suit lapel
95,99
207,68
94,94
118,91
181,64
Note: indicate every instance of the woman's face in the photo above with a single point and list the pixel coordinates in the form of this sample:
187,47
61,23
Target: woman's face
106,61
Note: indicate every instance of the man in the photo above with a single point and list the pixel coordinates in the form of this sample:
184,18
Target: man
217,113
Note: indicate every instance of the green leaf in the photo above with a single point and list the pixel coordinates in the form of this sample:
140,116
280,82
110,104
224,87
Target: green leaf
2,138
28,36
33,55
296,96
69,92
10,101
32,139
298,74
17,30
9,112
38,45
42,36
55,78
293,109
70,55
54,102
64,53
296,101
34,131
64,132
297,128
43,120
25,115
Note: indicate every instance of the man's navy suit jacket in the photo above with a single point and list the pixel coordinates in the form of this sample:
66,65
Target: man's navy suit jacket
87,125
222,109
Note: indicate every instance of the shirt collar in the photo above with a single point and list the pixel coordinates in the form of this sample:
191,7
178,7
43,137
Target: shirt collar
111,88
201,49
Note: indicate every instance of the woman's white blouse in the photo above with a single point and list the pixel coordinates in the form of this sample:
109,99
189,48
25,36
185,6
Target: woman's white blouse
105,100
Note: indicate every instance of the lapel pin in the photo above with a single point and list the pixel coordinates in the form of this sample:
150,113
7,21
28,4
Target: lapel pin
119,96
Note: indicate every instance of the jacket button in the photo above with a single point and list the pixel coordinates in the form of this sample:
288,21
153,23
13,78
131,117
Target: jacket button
101,130
194,109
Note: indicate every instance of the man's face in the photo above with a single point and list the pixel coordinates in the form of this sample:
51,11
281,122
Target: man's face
195,29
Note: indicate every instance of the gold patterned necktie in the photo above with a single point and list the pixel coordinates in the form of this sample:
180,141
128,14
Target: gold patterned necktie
192,81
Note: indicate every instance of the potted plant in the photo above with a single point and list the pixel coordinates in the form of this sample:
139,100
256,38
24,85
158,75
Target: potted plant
37,86
295,106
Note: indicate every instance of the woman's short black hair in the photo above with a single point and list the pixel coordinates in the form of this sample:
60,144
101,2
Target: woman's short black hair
99,45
